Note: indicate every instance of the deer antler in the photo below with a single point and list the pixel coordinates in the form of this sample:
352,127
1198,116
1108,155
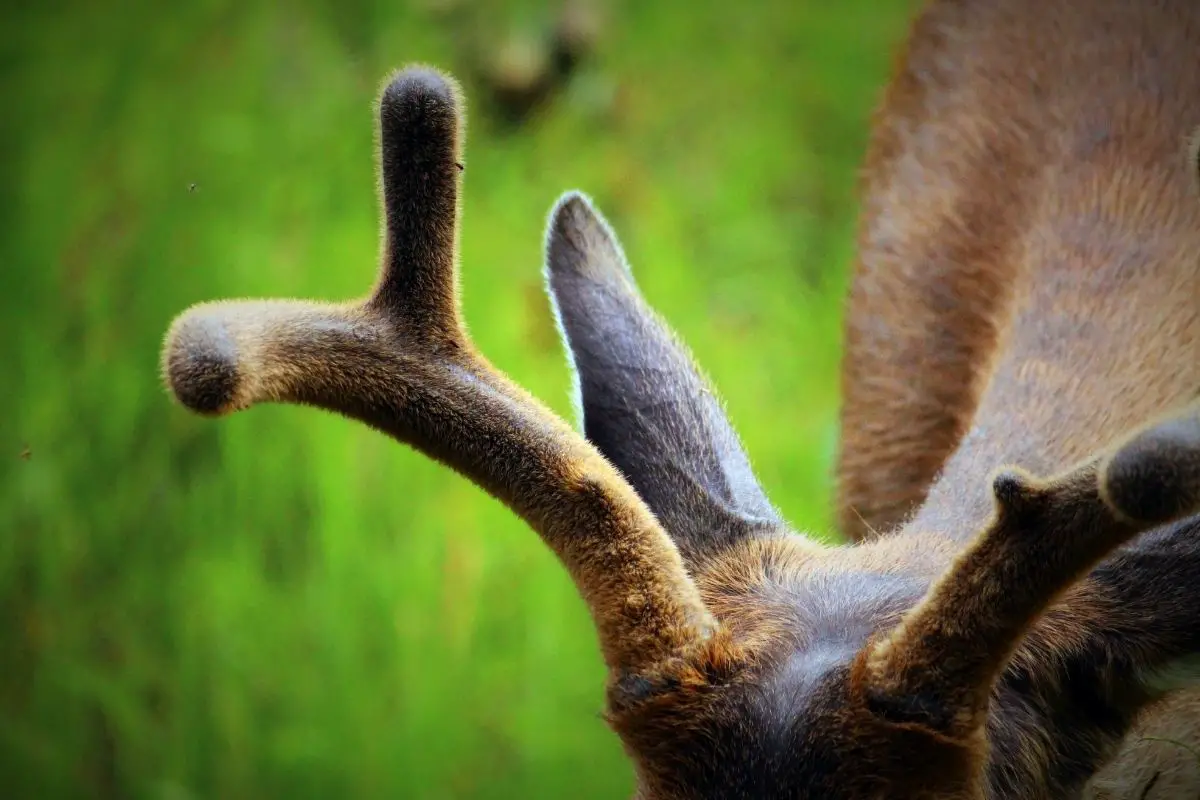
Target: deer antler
937,668
401,362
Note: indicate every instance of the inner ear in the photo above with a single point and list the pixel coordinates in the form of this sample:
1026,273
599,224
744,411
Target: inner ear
645,404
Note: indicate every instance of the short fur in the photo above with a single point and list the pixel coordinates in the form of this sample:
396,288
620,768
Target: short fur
1000,644
1028,281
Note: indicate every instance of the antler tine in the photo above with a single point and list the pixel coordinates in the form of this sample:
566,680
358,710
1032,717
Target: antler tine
420,152
1155,476
401,362
938,667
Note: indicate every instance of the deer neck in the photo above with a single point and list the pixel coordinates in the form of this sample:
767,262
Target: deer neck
1096,338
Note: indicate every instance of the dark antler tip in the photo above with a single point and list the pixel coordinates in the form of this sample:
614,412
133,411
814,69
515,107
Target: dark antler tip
418,85
1155,477
1012,488
201,365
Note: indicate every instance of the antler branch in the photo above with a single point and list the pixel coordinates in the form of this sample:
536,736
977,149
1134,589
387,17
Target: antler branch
939,665
402,363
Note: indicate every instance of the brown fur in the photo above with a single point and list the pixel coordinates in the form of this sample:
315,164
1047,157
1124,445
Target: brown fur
401,362
1027,272
1013,155
1004,641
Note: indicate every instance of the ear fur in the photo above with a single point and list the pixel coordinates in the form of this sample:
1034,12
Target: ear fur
643,401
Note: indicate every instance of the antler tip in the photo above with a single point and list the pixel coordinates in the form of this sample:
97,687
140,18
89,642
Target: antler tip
1155,476
417,86
1014,489
200,363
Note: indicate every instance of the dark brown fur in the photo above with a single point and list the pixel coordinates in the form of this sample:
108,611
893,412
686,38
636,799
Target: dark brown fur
997,645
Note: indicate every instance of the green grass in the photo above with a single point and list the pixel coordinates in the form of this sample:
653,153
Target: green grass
285,604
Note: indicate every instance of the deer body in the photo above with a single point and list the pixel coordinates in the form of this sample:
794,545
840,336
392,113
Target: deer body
1028,278
1028,258
1002,642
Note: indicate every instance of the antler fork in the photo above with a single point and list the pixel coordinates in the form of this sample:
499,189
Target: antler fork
401,362
940,664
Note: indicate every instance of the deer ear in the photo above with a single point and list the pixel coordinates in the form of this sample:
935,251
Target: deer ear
644,403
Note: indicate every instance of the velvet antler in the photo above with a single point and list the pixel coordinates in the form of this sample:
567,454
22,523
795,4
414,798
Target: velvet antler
401,362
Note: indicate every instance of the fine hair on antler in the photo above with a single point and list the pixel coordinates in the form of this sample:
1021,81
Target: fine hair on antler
998,642
401,362
1044,536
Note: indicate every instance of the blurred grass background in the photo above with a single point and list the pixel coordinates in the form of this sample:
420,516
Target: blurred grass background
285,604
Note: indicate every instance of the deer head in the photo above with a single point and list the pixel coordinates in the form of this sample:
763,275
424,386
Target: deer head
744,660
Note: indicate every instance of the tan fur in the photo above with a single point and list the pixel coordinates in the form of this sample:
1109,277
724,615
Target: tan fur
1004,640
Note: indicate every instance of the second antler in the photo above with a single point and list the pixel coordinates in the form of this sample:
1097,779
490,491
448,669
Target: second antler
939,666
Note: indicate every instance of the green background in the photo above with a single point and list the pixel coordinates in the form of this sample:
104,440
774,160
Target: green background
283,603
